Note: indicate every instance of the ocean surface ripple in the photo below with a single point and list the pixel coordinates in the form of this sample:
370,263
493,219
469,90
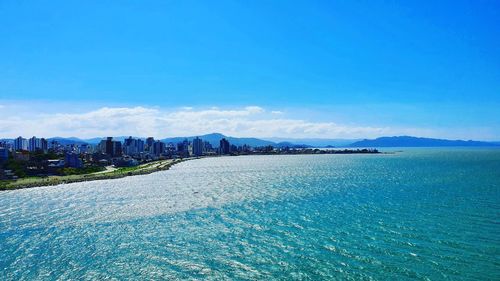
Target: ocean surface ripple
420,214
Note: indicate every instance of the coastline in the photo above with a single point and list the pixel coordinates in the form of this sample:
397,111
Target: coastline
144,169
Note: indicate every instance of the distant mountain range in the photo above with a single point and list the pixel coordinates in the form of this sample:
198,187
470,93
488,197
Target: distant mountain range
214,138
66,141
407,141
315,142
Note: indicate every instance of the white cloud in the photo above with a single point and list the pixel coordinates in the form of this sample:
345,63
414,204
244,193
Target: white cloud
250,121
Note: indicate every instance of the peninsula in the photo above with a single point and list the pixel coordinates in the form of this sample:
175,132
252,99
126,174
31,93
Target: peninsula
38,162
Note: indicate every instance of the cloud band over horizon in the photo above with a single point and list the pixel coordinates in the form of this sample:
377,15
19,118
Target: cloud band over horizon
249,121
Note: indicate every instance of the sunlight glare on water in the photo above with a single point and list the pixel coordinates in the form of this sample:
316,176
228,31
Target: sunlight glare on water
416,214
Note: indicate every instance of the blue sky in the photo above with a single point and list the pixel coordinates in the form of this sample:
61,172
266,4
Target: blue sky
342,68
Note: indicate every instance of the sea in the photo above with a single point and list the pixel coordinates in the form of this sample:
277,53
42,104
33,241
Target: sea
409,214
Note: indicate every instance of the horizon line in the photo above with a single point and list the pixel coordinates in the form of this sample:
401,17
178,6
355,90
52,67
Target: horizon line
283,139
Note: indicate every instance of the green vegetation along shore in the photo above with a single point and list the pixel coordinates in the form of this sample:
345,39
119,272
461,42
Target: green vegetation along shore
110,173
70,175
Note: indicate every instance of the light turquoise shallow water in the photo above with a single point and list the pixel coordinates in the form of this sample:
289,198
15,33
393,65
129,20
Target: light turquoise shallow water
419,214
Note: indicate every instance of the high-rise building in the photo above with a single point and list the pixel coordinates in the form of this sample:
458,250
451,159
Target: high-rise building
117,149
33,144
158,148
101,147
224,147
186,144
44,145
197,146
130,146
128,142
140,145
183,148
133,146
111,147
20,143
149,144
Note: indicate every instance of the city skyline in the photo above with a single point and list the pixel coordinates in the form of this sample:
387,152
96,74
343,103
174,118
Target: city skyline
302,70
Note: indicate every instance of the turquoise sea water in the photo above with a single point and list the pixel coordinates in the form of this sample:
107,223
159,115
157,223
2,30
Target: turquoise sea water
424,214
